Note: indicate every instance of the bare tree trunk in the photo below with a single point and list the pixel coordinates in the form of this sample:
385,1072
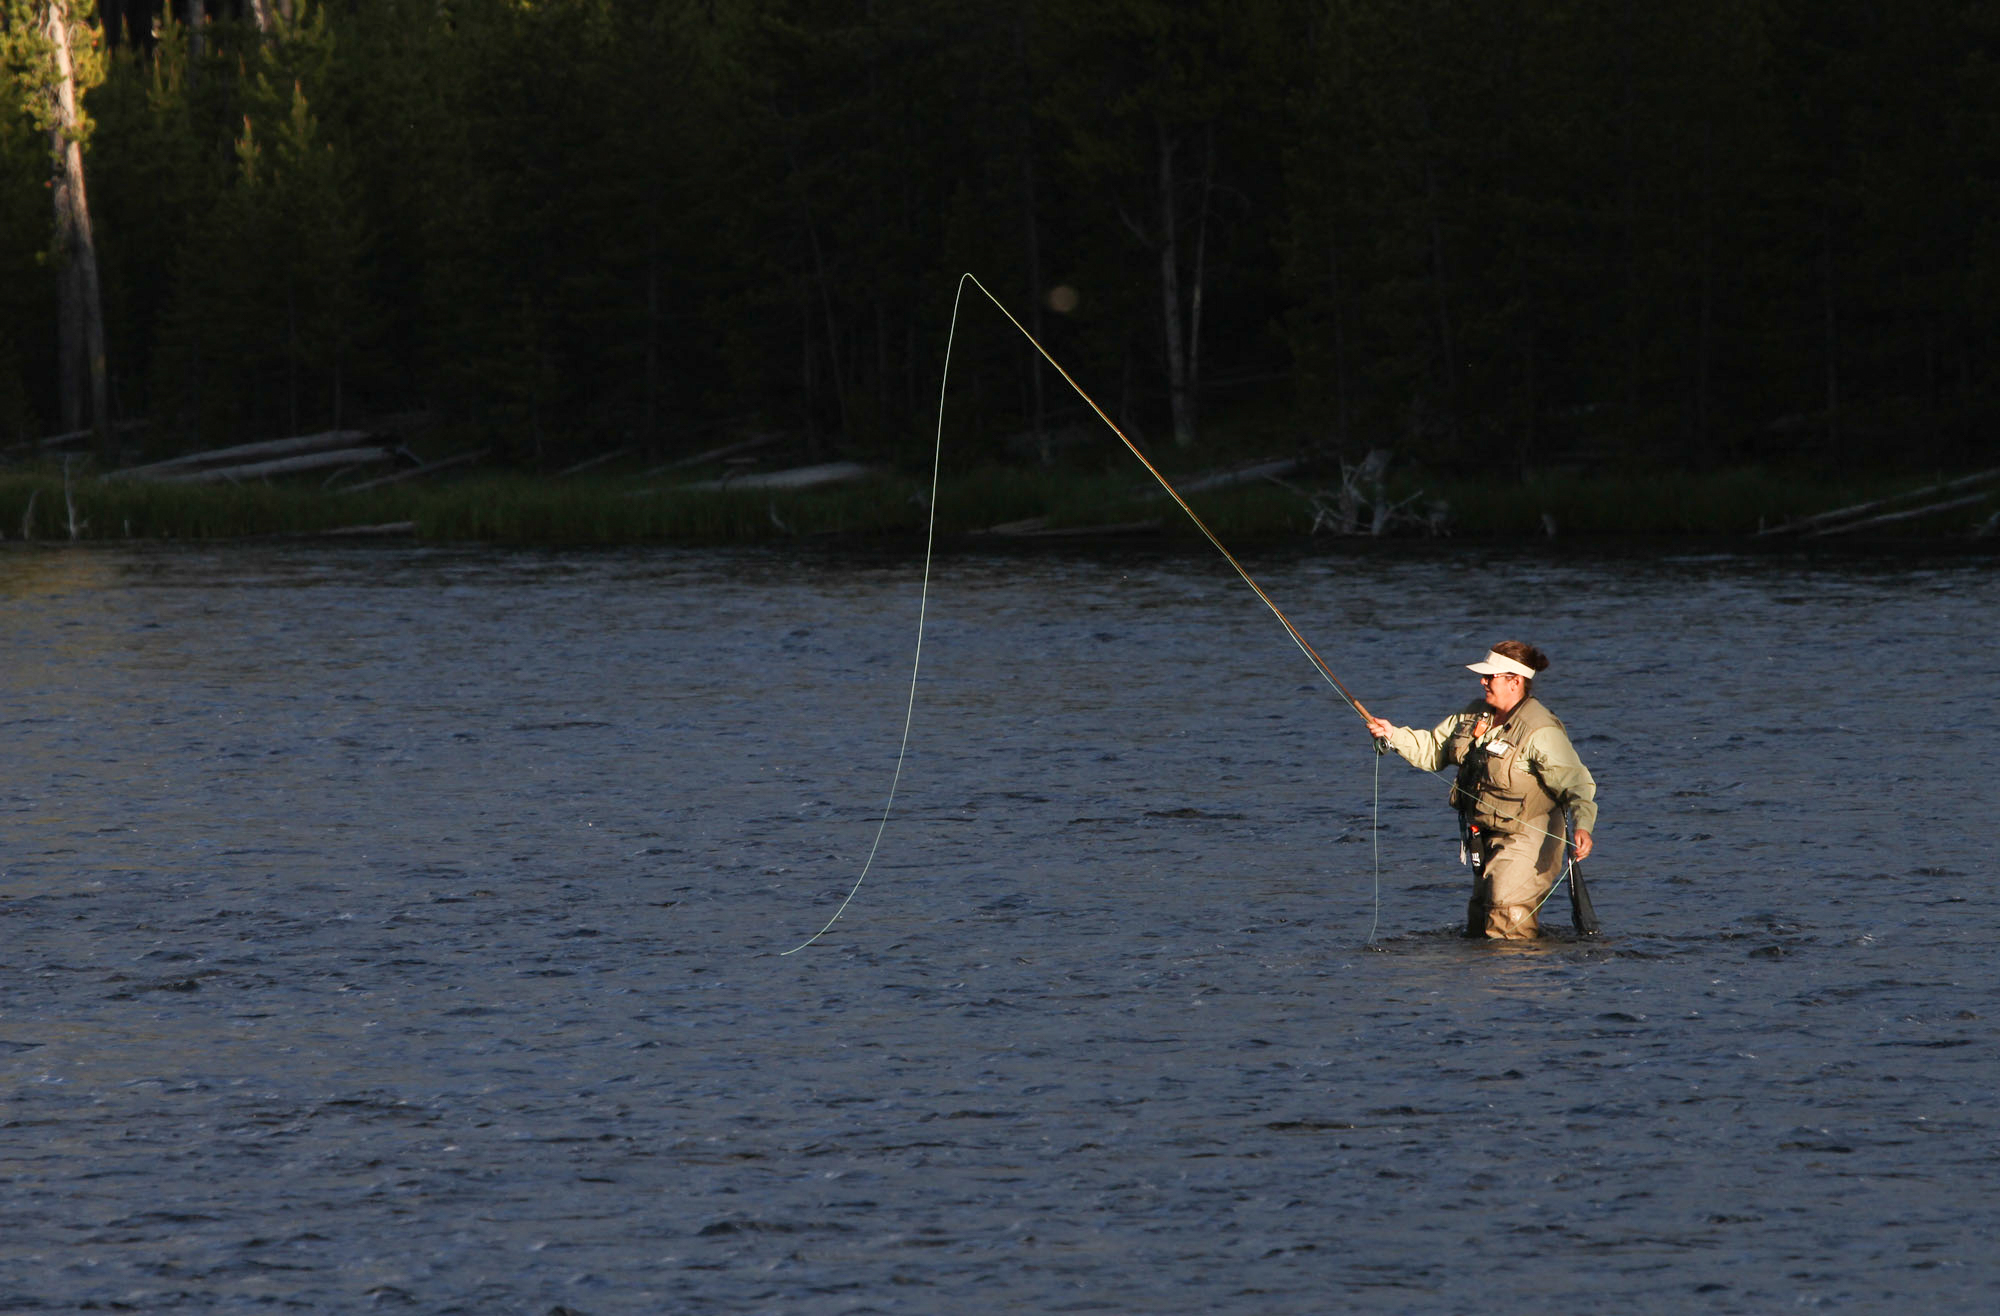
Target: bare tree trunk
1025,129
822,285
652,430
1200,273
80,317
1830,328
1170,290
292,354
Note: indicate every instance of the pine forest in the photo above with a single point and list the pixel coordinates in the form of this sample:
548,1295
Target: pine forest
1581,234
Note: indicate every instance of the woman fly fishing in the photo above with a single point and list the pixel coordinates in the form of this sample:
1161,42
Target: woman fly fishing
1517,776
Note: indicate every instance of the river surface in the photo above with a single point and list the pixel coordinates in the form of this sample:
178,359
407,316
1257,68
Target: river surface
396,928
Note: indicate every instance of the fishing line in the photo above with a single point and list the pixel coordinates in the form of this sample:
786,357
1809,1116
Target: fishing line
1563,876
930,539
1376,922
916,663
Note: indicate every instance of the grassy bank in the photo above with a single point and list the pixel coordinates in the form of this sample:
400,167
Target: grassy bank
523,509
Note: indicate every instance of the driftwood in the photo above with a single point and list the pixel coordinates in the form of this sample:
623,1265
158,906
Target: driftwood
679,463
1037,527
1889,518
55,440
1362,504
601,459
799,477
419,472
243,456
312,461
371,531
75,436
1362,485
1269,470
1856,517
716,454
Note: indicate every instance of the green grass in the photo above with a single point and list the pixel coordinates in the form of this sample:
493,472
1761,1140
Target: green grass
526,509
37,506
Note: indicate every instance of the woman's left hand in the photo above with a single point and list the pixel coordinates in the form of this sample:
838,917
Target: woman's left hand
1582,844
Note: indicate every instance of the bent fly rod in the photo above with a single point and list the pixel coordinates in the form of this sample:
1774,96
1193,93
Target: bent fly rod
1298,637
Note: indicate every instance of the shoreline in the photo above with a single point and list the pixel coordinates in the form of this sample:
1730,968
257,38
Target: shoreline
998,508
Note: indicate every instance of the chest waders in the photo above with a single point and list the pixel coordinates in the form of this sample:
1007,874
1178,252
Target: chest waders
1512,831
1479,843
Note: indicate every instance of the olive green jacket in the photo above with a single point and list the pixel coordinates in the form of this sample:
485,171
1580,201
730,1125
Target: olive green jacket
1511,775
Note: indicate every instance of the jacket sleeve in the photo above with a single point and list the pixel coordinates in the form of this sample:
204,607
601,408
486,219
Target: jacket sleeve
1425,749
1556,761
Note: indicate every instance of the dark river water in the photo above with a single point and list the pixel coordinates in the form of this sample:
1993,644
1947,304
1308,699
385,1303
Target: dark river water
402,929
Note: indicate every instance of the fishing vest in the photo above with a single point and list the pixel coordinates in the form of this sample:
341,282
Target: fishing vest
1496,790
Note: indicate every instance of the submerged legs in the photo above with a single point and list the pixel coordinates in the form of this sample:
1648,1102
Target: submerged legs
1515,878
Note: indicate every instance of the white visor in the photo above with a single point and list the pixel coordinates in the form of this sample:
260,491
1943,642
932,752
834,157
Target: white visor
1496,663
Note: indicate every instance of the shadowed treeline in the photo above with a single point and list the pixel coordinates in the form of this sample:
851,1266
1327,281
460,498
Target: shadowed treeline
1572,233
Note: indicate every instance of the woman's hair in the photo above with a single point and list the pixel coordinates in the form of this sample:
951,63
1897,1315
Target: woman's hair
1526,654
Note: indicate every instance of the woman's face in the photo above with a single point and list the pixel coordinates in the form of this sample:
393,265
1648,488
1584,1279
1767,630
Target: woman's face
1502,690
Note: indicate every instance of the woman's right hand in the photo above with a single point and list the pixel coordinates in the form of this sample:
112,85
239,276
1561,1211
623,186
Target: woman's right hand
1379,727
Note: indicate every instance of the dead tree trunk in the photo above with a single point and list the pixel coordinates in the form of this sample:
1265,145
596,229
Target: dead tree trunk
1180,387
80,315
1024,131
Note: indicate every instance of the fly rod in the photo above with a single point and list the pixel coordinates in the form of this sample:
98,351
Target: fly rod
930,540
1298,637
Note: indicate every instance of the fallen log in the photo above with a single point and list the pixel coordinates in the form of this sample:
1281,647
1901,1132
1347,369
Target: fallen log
1037,527
54,441
75,436
799,477
1268,470
419,472
1890,518
1806,524
243,453
1024,527
601,459
282,466
715,454
386,528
